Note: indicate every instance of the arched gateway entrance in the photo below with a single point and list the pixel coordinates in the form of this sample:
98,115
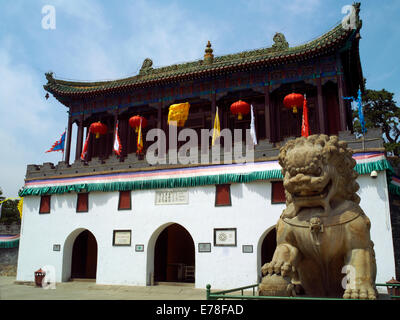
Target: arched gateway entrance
84,256
266,247
174,255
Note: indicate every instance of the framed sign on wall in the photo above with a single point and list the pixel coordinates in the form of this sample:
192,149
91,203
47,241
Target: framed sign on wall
171,196
225,237
122,237
247,248
205,247
139,247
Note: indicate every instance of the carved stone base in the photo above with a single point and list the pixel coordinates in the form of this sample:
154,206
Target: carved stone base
276,285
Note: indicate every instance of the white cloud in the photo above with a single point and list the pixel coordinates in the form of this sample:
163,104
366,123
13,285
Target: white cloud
167,34
96,41
12,164
297,7
26,121
85,49
84,12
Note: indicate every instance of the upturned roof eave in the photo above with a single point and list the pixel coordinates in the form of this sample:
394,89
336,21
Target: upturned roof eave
69,89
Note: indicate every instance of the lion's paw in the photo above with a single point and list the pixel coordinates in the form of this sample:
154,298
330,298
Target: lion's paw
362,292
277,267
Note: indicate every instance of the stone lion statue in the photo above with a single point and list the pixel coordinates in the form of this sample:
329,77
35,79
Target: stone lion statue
322,233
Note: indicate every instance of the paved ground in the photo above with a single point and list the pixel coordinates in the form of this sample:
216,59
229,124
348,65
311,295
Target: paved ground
83,290
9,290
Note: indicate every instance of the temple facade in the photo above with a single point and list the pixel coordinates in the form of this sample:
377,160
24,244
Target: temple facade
120,219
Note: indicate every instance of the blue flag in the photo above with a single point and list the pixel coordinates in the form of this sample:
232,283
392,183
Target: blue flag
360,112
58,145
358,101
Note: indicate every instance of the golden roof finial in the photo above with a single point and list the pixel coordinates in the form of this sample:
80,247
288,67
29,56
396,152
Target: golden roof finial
208,56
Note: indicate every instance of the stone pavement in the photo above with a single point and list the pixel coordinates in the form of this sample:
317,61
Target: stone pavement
75,290
84,290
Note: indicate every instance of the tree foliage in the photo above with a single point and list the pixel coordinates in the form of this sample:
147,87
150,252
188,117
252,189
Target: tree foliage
381,111
9,211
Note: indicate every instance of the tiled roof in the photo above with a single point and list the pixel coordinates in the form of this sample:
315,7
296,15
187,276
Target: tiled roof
279,53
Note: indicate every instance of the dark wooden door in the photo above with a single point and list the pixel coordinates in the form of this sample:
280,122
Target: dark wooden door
174,251
84,256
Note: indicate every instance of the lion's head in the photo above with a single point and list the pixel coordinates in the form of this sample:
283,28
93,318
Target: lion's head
317,171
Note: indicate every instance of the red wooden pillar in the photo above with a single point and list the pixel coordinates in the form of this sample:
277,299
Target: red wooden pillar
68,142
267,113
79,139
321,107
159,115
115,121
110,136
277,119
342,106
341,93
213,108
105,141
131,146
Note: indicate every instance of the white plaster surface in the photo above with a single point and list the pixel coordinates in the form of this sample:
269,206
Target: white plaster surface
224,267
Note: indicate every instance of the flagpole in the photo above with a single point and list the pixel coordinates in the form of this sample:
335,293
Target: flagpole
62,158
361,115
363,141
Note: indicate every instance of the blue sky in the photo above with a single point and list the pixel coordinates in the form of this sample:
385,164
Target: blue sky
103,40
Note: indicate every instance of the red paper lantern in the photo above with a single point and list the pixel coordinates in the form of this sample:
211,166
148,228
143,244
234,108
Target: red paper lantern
134,122
240,108
98,128
293,101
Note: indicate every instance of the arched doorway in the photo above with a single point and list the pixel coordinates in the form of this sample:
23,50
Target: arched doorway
84,256
174,255
268,246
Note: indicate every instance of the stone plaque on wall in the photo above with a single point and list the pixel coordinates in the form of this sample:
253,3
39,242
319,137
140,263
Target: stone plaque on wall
204,247
172,196
225,237
122,237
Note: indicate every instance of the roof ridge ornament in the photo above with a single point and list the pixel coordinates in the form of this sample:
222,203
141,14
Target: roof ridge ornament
279,52
280,42
147,66
49,77
352,19
208,56
357,9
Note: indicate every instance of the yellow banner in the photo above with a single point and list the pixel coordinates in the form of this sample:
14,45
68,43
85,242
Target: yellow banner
217,128
139,142
178,113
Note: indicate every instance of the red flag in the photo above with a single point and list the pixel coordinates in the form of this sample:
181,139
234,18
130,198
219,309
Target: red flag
305,129
85,148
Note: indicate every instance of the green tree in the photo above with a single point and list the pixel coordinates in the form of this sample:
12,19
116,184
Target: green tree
381,111
9,211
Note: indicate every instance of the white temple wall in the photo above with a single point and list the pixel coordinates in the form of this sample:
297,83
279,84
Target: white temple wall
224,267
375,203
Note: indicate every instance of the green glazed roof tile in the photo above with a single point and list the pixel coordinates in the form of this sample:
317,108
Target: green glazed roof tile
280,50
